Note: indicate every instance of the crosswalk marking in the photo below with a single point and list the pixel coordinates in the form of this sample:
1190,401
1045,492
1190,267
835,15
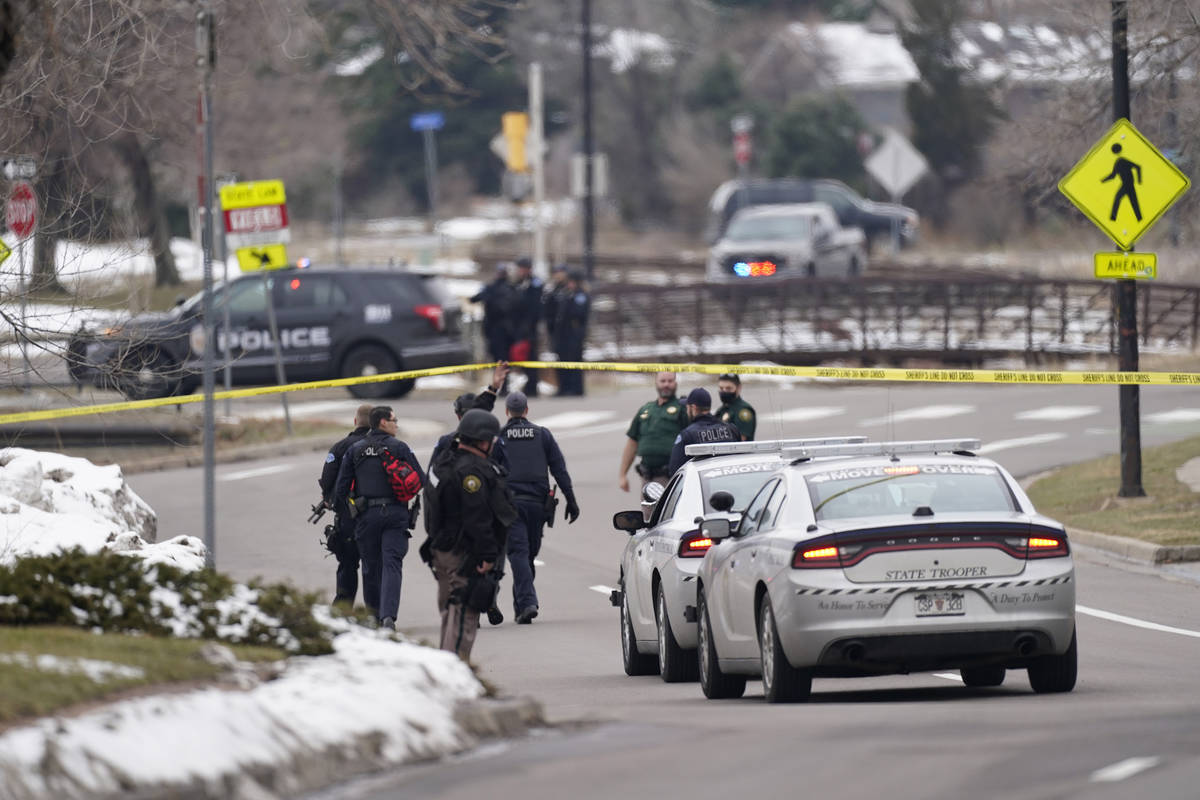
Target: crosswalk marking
803,414
572,419
1174,415
257,472
923,412
1124,769
1058,413
1023,441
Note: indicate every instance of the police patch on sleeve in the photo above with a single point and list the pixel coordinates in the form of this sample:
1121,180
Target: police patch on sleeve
471,484
745,415
329,459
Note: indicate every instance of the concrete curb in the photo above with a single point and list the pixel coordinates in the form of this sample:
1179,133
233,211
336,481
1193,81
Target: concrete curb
1135,549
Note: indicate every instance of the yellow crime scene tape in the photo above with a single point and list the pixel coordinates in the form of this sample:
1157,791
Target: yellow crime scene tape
976,376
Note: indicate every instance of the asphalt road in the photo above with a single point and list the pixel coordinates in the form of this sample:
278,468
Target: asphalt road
1131,727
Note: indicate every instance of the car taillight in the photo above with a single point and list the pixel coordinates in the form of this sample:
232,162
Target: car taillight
1047,547
816,557
694,545
432,313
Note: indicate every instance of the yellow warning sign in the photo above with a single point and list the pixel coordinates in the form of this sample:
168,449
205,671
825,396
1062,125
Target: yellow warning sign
5,252
251,194
1126,265
267,256
1124,184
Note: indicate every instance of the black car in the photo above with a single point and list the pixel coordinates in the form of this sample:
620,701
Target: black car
335,323
853,211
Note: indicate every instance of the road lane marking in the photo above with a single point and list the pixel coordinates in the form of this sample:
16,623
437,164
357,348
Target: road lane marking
258,472
1135,622
1058,413
924,412
602,589
1124,769
594,430
950,676
574,419
1174,415
1023,441
801,414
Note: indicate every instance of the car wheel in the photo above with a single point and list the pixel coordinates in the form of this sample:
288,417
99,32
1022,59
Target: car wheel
715,684
635,662
369,359
145,373
782,683
1050,674
982,676
675,664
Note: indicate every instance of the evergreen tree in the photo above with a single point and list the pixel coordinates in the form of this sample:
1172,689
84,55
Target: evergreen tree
815,137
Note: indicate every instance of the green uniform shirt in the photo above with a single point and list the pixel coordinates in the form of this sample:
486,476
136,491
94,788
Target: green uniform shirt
654,428
740,414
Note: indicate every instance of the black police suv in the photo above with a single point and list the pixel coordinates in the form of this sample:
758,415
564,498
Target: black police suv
333,323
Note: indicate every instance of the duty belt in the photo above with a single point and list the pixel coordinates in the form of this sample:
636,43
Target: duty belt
372,502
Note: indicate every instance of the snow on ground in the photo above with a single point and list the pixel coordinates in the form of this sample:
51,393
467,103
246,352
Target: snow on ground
377,697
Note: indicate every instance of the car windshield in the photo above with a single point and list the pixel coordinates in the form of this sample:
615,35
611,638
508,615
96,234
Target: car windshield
741,480
194,302
877,491
795,226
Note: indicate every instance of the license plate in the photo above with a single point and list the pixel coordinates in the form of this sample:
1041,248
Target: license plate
940,604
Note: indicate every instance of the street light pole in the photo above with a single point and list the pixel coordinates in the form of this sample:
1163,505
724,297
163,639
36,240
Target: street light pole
1126,288
589,207
206,46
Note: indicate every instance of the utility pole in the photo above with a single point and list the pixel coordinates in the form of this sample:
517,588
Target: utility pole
206,60
537,163
589,206
1126,288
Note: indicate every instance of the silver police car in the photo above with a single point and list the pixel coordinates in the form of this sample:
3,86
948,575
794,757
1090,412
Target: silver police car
881,558
658,565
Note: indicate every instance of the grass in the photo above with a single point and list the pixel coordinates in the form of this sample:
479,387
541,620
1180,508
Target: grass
30,692
1085,496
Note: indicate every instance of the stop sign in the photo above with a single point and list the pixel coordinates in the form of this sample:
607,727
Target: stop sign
21,212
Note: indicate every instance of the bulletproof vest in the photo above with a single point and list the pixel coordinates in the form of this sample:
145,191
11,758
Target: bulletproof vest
706,428
525,444
370,479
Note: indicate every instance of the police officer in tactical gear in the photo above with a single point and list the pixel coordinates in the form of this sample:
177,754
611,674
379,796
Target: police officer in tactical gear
526,314
382,519
468,509
704,428
532,451
570,329
341,543
485,400
498,300
652,433
734,410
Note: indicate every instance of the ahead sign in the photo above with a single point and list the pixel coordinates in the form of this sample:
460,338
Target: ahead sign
20,215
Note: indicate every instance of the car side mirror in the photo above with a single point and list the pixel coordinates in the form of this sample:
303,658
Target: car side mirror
717,528
721,501
629,521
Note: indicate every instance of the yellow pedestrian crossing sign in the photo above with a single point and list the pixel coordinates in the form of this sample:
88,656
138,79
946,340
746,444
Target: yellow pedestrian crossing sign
5,252
1124,184
267,256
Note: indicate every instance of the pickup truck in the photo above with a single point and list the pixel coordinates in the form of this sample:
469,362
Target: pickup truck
786,240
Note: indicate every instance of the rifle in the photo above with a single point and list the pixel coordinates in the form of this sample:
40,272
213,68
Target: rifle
318,510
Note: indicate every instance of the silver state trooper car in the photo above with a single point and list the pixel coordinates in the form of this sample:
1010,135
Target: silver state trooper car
658,565
881,558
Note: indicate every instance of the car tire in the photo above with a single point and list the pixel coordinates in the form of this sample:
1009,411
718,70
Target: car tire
675,665
145,373
1052,674
979,677
782,683
715,684
371,359
635,663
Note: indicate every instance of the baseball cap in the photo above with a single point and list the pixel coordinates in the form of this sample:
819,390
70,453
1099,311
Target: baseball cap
700,398
516,401
525,263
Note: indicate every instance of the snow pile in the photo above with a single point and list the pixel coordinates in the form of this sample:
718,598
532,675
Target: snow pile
374,702
51,502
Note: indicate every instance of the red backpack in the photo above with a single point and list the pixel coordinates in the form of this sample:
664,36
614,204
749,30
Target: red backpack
404,480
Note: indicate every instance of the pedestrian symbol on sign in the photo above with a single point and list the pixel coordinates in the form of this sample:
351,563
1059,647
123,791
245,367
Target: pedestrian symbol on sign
1124,168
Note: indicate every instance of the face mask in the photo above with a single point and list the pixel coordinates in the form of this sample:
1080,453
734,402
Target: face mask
727,397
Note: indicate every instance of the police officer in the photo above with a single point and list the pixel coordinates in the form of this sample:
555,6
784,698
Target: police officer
652,433
555,291
532,451
704,428
468,508
341,542
498,301
734,409
525,316
570,329
381,526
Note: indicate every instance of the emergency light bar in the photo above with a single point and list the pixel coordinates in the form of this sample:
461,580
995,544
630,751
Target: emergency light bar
765,446
883,448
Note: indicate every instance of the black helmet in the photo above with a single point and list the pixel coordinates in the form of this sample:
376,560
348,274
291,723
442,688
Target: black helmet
463,403
479,426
